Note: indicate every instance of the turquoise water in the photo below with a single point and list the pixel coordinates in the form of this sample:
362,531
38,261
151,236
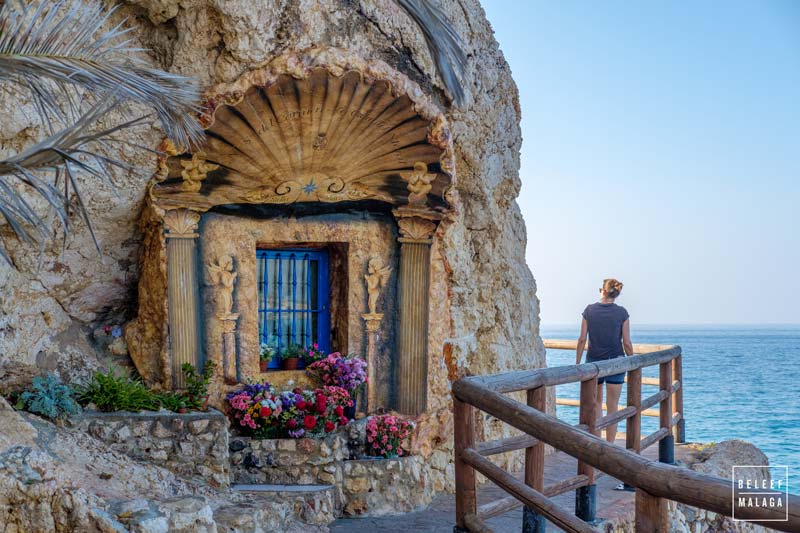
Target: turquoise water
740,382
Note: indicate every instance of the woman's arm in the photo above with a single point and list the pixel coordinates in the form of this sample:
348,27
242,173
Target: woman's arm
626,337
581,342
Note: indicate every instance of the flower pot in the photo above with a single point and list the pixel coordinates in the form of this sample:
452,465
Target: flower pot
263,365
289,363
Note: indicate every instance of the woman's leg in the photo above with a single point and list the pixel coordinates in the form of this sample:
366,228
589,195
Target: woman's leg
612,401
598,403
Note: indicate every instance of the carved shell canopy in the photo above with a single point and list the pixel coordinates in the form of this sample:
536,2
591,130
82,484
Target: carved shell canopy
325,138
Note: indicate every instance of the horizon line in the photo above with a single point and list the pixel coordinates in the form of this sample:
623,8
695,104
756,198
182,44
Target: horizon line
695,324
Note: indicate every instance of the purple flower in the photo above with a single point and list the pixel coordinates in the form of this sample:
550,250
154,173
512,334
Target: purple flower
296,434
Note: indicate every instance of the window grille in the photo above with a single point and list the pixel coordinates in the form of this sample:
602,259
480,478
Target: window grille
293,298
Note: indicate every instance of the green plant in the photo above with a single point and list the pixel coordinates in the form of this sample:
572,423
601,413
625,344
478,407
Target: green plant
173,401
110,392
293,351
49,397
267,352
197,384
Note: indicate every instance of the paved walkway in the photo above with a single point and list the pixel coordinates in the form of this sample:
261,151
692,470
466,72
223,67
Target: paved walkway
440,516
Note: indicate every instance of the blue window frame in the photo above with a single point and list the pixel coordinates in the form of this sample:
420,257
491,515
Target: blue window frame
294,300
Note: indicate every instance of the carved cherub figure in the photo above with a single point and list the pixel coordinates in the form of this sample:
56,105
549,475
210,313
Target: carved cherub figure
377,276
419,183
223,278
195,171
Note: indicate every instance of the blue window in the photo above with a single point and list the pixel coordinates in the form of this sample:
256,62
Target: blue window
293,299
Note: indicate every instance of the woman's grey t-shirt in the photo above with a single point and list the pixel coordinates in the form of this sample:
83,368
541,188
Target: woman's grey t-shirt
605,330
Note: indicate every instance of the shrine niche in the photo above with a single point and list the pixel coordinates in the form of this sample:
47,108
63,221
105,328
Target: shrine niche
324,138
333,167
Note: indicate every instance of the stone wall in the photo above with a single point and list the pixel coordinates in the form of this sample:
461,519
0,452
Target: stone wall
361,486
192,445
288,461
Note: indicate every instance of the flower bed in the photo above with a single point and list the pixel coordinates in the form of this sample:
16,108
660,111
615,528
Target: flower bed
262,413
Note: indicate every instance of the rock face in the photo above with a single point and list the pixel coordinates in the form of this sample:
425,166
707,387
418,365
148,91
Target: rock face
50,302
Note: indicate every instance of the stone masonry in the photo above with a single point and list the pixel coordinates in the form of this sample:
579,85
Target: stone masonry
192,445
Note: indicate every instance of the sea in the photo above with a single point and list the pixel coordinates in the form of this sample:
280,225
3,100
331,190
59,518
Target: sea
740,382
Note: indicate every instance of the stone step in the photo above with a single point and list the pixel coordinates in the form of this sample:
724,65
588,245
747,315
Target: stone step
281,488
272,507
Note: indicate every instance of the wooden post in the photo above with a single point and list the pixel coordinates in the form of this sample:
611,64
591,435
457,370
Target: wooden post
677,375
666,446
464,426
651,513
633,427
533,522
585,501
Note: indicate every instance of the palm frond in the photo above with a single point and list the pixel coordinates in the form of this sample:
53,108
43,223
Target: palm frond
444,43
77,72
64,41
40,168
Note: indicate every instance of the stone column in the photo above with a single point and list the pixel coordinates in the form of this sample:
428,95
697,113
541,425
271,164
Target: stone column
416,236
373,327
182,291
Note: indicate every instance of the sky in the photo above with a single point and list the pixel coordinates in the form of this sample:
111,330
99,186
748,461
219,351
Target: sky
661,147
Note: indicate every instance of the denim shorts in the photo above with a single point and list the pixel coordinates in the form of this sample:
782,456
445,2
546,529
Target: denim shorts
614,379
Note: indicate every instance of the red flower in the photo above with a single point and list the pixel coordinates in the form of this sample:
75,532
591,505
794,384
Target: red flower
322,403
310,421
265,412
301,405
291,423
339,410
343,420
329,426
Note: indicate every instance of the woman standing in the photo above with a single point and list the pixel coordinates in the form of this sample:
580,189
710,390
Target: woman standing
608,328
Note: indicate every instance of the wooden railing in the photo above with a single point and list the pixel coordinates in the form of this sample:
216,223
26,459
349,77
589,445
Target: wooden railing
655,482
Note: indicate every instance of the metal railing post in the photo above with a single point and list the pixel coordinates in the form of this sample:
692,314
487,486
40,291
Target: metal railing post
533,522
666,446
464,436
586,496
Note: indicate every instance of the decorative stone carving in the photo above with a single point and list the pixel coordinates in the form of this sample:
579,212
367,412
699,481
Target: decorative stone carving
377,276
324,136
223,278
419,184
181,223
415,229
195,171
314,188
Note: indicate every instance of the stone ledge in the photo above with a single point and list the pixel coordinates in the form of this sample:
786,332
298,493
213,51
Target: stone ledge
127,415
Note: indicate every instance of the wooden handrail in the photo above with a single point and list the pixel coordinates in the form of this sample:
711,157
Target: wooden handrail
563,344
655,482
559,375
652,479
